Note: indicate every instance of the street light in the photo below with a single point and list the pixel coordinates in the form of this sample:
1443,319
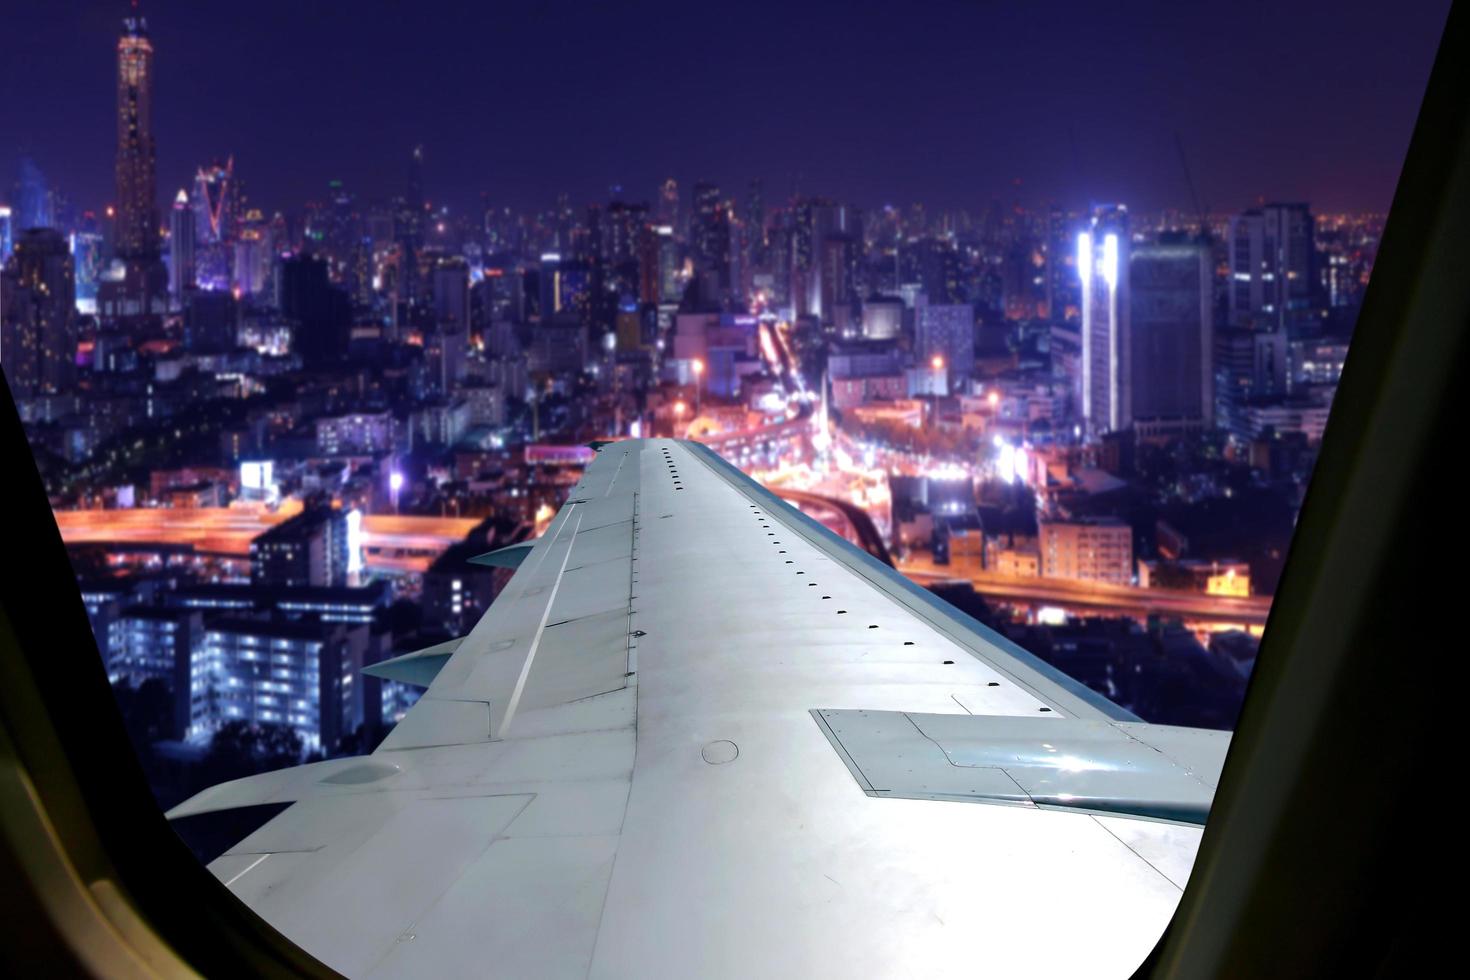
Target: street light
395,484
698,382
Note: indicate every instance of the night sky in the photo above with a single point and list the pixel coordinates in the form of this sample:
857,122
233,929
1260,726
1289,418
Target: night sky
895,102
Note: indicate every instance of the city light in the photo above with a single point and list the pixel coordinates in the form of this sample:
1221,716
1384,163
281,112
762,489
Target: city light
1010,462
1101,468
354,542
1110,260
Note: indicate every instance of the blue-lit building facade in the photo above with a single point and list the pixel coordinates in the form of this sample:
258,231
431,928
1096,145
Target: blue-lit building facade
301,675
342,604
148,643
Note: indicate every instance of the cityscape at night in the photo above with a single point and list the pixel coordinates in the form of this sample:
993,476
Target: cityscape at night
1055,336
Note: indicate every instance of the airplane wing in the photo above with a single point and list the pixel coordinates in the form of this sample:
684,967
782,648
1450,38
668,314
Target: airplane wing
699,735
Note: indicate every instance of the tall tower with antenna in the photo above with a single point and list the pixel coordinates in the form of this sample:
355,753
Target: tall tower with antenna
137,204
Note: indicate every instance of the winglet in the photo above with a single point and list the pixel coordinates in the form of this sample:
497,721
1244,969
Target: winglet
510,556
418,668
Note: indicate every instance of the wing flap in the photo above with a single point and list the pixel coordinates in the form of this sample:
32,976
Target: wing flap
1075,763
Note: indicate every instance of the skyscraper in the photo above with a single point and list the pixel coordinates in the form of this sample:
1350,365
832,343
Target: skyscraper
137,220
1271,252
137,207
948,331
451,293
408,224
755,225
711,233
824,240
1061,266
1102,267
38,335
180,247
88,261
670,267
214,224
253,253
1171,330
321,313
668,205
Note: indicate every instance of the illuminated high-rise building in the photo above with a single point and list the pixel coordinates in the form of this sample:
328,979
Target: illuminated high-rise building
89,262
623,224
214,225
1061,267
137,206
252,253
38,334
946,330
316,698
549,294
137,214
180,247
668,205
1102,267
671,277
826,238
1271,255
710,233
